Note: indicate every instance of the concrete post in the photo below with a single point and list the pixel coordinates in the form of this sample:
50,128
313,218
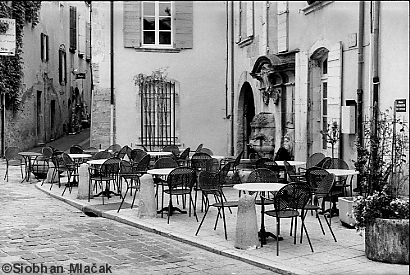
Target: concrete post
52,176
83,182
246,224
147,208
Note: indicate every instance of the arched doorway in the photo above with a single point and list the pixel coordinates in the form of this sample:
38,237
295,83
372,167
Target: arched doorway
246,113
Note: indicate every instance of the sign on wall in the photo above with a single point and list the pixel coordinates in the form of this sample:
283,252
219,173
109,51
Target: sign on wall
7,36
400,105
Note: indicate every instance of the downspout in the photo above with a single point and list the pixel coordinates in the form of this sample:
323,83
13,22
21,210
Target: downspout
3,128
360,75
375,105
227,59
232,79
112,74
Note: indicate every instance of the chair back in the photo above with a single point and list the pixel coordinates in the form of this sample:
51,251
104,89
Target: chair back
323,162
325,185
184,155
262,175
12,153
76,149
206,150
237,160
114,148
198,160
68,161
166,162
125,151
290,171
47,153
292,196
137,155
314,175
143,165
335,163
173,149
314,159
110,167
103,155
222,174
198,149
182,177
260,163
209,184
212,165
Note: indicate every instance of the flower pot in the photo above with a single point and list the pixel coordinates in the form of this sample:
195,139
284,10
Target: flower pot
345,205
387,240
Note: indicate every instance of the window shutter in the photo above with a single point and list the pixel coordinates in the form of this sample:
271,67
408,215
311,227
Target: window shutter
183,24
73,28
249,19
334,81
283,28
47,53
132,24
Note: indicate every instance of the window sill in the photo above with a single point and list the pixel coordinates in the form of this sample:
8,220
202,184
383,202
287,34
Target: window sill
157,50
315,6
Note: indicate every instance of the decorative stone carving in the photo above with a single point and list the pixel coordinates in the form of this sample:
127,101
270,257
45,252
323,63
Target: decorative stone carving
262,138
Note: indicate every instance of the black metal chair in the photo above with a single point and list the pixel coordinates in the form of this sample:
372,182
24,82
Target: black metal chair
13,159
312,160
287,202
131,176
292,174
206,150
107,173
183,158
137,155
76,149
341,181
173,149
114,148
181,182
210,186
42,163
198,149
164,162
236,179
212,165
71,168
103,155
262,175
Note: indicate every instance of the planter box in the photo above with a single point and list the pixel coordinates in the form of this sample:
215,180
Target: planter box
345,205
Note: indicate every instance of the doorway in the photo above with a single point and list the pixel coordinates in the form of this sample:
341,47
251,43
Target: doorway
246,114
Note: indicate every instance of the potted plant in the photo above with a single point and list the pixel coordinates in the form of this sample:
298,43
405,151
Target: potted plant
382,211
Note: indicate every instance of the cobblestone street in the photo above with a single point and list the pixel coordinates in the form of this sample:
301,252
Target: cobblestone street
36,230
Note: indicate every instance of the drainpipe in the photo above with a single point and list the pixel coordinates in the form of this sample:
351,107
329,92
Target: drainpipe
112,74
360,75
376,83
232,79
3,117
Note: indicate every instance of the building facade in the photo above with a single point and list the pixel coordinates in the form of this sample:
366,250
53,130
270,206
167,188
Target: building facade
56,94
210,72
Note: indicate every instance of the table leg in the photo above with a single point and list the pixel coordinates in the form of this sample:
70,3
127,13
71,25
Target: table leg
173,209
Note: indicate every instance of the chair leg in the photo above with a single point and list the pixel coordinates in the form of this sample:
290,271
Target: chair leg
277,235
123,198
203,218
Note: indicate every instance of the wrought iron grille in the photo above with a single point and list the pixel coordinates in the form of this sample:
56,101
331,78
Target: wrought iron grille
157,114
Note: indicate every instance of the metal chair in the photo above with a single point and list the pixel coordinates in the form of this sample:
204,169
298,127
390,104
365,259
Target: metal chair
210,186
125,151
76,149
262,175
131,176
212,165
114,148
206,150
137,155
287,201
198,149
181,182
234,168
71,168
164,162
173,149
13,159
41,165
341,181
103,155
291,173
183,158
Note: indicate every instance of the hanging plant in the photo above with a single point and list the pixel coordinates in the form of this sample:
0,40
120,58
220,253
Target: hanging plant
11,67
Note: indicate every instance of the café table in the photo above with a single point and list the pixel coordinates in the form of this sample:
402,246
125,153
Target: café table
159,154
107,192
261,187
28,157
165,172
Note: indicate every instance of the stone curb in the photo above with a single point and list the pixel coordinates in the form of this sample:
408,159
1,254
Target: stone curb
227,253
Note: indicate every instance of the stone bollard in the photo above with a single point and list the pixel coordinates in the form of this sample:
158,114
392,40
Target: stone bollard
83,182
246,224
51,174
147,208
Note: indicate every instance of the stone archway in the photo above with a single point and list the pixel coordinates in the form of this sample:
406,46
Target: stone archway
246,112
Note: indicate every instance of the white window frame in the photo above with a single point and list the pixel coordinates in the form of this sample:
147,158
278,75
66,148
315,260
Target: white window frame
157,17
324,81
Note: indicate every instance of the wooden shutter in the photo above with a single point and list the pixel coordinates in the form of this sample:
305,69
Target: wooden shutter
47,53
249,19
73,28
283,26
334,62
183,24
132,24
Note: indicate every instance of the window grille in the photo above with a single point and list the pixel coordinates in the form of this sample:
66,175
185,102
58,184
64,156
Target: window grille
157,114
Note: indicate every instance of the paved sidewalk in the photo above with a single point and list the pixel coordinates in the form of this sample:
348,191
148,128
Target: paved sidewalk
346,256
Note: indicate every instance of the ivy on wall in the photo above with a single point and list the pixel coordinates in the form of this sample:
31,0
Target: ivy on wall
11,67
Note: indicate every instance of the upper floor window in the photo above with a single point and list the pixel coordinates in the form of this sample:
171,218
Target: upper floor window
73,29
62,65
157,23
44,47
246,23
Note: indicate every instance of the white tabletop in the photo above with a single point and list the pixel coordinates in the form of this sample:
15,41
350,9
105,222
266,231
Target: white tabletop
291,162
159,154
30,154
96,161
342,172
160,171
80,156
259,186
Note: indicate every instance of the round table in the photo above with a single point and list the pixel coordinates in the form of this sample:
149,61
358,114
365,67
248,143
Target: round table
261,187
291,162
80,156
342,172
28,156
160,171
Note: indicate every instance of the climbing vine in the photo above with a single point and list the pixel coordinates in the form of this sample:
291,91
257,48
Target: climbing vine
11,67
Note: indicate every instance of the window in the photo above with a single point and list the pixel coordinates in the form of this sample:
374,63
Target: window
157,24
73,29
324,102
62,65
246,23
157,114
44,47
52,114
88,42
